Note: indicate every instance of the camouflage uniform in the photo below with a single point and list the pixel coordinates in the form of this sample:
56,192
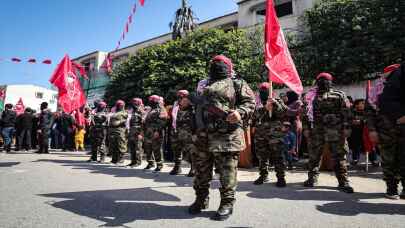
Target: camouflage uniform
98,134
269,138
154,123
117,135
331,117
221,142
136,130
182,142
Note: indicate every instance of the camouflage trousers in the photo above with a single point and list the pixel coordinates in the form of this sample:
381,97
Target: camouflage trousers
392,149
153,150
339,150
135,148
183,149
98,142
118,144
270,153
226,164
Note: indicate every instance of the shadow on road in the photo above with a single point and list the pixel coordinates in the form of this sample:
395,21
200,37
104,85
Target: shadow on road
8,164
121,206
344,204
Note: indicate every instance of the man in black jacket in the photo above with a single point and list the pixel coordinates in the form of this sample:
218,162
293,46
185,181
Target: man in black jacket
25,122
44,128
388,128
8,119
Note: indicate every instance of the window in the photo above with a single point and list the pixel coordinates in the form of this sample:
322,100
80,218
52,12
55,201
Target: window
283,9
39,95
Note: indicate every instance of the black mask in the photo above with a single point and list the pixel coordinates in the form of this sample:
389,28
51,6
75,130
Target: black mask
264,95
154,105
100,108
324,85
119,108
218,70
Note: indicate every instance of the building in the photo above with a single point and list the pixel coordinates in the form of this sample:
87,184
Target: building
31,95
250,13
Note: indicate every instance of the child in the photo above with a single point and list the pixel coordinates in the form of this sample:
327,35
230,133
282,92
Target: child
290,142
79,137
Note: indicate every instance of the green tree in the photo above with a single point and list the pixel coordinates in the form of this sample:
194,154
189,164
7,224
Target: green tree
350,38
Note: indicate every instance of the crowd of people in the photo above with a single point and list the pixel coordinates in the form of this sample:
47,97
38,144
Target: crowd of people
206,128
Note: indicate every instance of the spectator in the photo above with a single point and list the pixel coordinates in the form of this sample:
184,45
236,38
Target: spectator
79,138
290,152
8,120
356,138
25,122
65,126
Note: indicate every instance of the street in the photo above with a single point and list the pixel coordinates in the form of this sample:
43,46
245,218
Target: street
63,190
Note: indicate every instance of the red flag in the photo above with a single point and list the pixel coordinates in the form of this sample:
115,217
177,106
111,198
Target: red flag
277,56
130,19
71,95
80,68
32,60
127,27
19,107
134,9
142,2
17,60
47,61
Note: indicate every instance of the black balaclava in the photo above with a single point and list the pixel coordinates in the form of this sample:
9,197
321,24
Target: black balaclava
154,104
324,85
218,70
264,96
44,106
292,97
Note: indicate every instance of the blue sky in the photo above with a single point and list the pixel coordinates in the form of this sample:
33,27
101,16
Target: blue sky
50,28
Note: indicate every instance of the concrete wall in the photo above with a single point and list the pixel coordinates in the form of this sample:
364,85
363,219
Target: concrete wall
28,95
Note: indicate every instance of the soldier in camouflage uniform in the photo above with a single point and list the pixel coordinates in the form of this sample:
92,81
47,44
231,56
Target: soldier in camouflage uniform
135,136
155,122
269,138
98,132
330,122
387,127
117,132
183,127
227,102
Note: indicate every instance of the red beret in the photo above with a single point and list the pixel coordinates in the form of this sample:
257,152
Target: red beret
391,68
325,75
137,101
120,103
264,86
154,98
182,93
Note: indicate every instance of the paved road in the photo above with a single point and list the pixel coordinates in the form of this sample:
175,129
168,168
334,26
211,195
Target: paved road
62,190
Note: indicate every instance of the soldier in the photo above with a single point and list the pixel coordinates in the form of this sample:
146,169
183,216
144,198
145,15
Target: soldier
388,129
44,128
267,125
135,137
182,132
155,122
330,118
117,131
227,102
98,132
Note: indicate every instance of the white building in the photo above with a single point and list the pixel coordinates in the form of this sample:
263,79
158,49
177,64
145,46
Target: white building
32,96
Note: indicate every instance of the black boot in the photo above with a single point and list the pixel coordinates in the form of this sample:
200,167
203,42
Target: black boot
263,178
176,170
345,187
8,149
159,168
102,159
224,211
311,182
281,183
149,166
392,190
191,173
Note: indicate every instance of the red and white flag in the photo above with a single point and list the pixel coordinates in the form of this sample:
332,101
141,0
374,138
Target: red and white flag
19,108
277,56
71,96
142,2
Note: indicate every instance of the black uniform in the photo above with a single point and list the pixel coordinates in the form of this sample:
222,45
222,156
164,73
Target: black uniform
45,123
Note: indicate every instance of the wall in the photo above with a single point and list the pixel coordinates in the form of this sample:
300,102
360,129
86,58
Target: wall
28,95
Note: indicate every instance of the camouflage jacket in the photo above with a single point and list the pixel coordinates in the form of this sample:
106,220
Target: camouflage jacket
118,119
99,119
223,96
136,122
155,121
331,110
270,128
185,124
